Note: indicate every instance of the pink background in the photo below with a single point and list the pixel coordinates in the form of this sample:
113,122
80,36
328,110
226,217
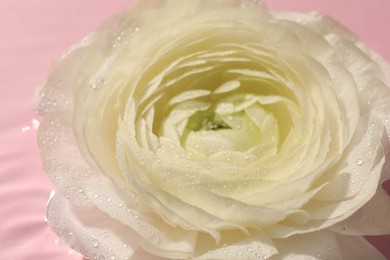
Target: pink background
32,34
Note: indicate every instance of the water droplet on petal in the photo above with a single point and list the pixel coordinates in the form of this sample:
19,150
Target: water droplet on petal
359,162
95,243
34,125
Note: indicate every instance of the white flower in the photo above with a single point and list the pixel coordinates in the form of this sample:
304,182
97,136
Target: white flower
214,129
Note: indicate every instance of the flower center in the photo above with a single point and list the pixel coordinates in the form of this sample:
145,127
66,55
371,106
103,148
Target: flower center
220,98
206,120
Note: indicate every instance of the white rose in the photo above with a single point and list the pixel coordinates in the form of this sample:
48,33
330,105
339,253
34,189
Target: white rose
214,129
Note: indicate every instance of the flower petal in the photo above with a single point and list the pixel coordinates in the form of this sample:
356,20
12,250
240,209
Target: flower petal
257,246
357,248
371,219
154,235
310,246
90,231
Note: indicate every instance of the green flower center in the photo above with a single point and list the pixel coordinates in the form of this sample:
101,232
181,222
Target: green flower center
206,120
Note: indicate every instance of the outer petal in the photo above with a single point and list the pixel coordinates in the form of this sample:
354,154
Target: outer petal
253,247
325,213
357,248
310,246
370,71
154,235
373,217
91,231
325,245
144,255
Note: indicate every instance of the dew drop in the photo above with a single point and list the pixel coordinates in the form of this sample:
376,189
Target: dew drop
95,243
93,86
112,257
359,162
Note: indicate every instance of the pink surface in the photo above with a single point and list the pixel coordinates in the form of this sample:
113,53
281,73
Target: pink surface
33,33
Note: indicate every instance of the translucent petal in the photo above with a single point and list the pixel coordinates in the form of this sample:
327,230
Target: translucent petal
141,254
311,246
366,68
257,246
357,248
325,245
62,160
90,231
371,219
158,237
356,166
